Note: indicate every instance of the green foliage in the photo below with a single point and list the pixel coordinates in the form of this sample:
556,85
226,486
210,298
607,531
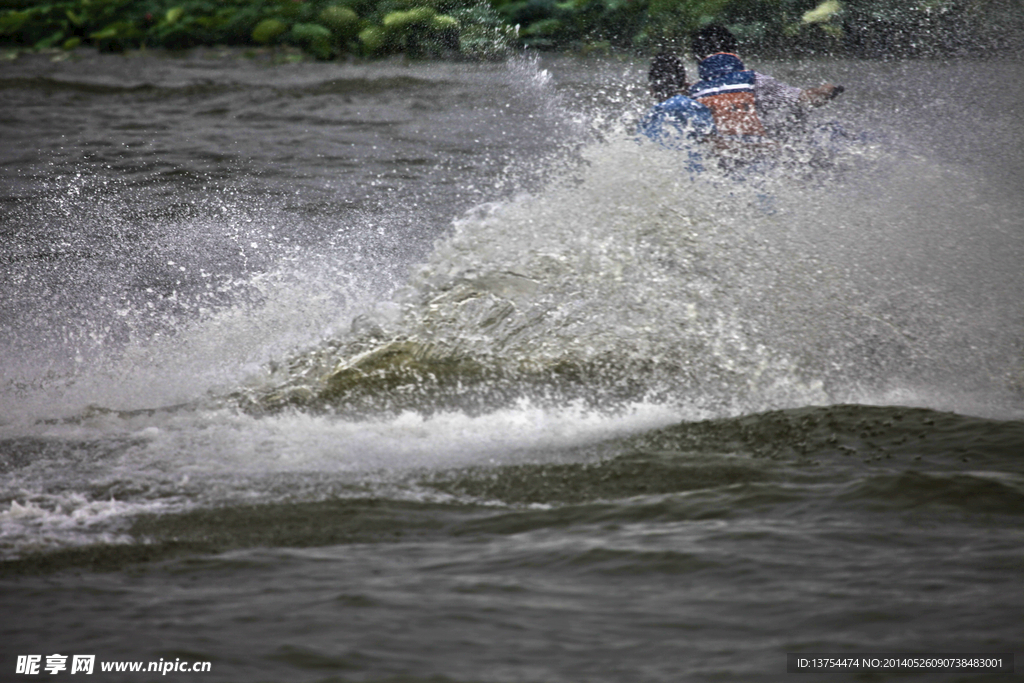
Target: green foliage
322,28
117,37
342,21
268,30
418,32
489,29
371,40
314,38
11,23
483,34
670,22
417,17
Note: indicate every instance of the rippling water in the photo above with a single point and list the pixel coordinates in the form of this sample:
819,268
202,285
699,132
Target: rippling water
340,372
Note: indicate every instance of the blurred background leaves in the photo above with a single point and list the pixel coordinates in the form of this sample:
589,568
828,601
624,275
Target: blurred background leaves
329,29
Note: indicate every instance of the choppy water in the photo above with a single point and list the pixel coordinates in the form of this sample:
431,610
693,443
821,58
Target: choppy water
431,372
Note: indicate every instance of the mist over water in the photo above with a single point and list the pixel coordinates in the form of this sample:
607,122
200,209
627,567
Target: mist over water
893,270
882,277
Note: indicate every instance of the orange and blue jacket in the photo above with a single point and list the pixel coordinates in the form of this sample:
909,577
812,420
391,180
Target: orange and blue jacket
726,87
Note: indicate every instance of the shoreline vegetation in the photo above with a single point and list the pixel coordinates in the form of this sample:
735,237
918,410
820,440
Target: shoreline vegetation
494,29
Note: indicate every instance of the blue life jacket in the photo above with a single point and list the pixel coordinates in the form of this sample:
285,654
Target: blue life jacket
677,122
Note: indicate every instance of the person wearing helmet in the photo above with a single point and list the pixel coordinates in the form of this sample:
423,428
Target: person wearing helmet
746,105
676,120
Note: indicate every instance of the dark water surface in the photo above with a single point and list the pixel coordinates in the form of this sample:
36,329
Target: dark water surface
431,372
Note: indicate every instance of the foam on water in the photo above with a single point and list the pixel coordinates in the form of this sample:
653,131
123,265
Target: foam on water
111,467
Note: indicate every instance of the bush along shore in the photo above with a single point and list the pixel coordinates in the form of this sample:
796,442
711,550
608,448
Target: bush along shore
477,29
322,29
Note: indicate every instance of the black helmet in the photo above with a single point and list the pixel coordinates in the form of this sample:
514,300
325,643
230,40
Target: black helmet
712,39
667,75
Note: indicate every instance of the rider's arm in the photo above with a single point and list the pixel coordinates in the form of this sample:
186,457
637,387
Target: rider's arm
772,94
815,97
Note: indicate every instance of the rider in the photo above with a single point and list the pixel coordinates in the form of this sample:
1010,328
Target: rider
746,105
676,119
